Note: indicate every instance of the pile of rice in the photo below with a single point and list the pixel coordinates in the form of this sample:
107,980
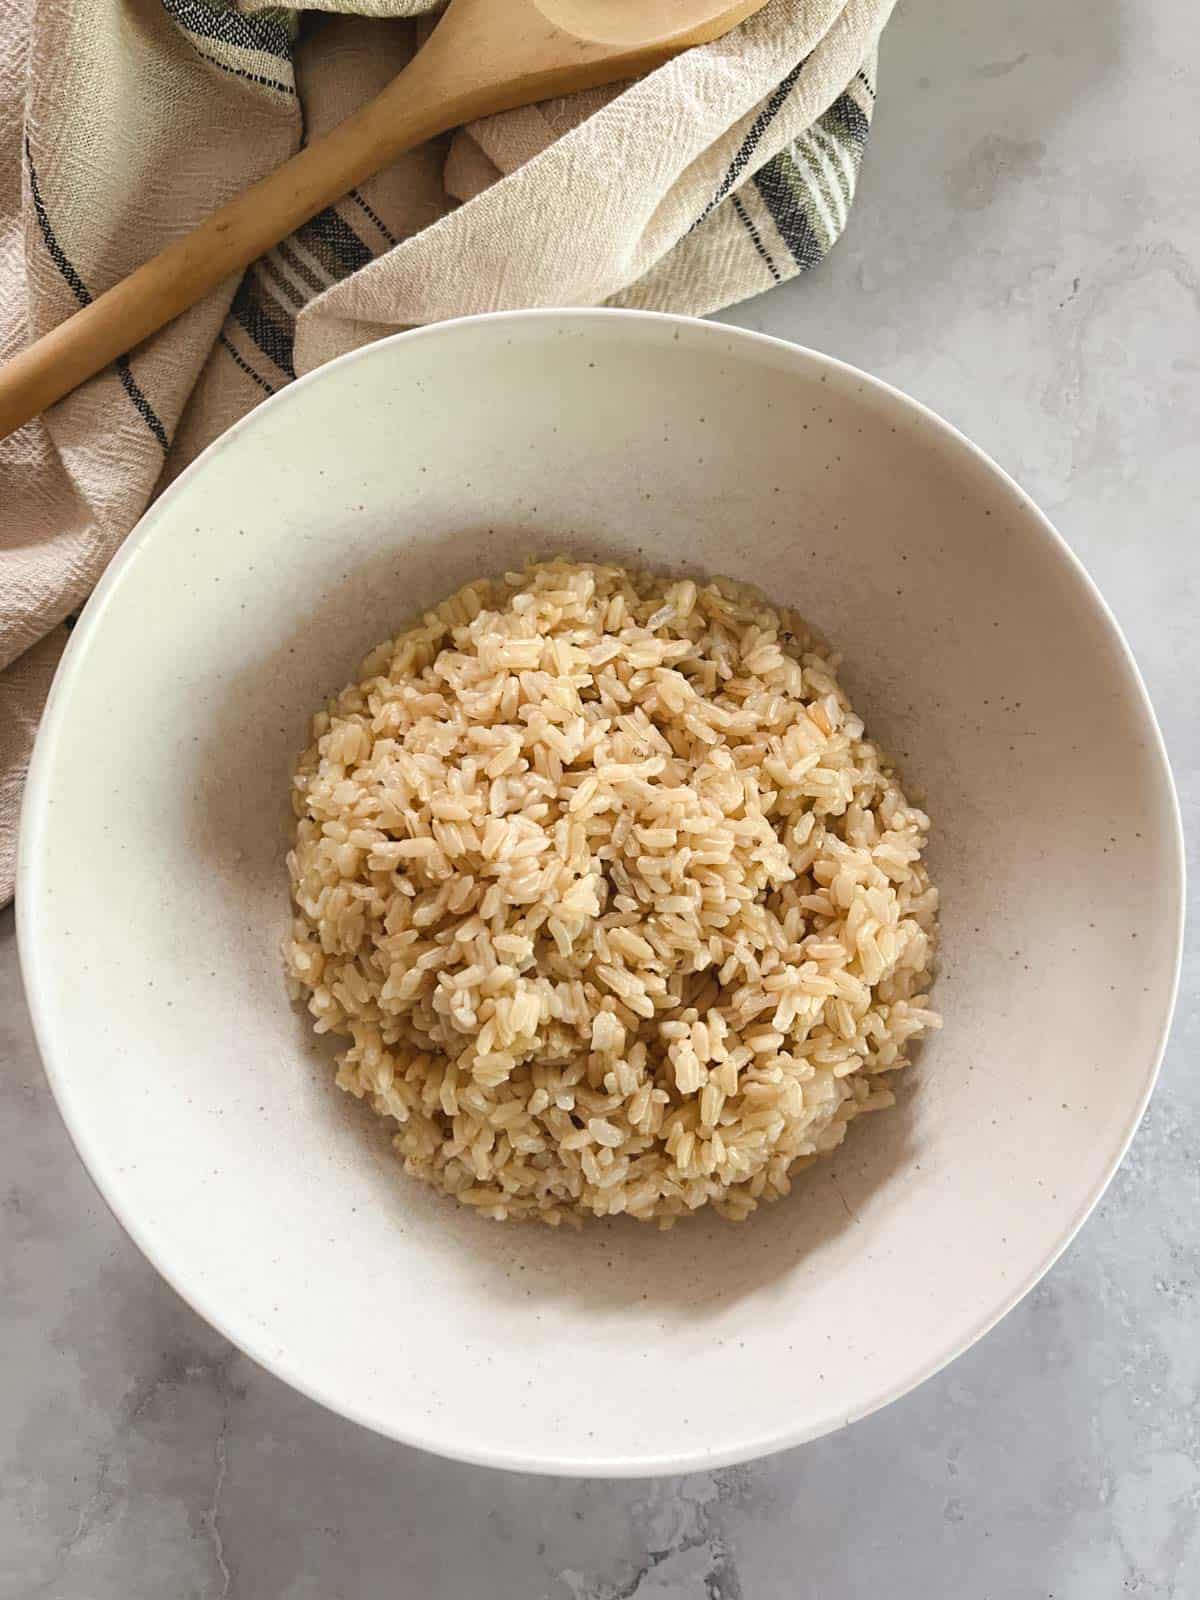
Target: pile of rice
618,909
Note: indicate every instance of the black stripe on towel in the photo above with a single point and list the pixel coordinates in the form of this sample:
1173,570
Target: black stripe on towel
81,292
227,26
753,139
267,323
747,222
782,200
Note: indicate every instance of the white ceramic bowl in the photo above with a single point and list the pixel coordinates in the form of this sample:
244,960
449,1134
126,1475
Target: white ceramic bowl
153,898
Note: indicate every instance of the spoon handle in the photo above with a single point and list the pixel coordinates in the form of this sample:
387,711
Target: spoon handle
483,57
226,243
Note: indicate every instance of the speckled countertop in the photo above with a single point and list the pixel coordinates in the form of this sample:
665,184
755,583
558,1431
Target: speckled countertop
1025,258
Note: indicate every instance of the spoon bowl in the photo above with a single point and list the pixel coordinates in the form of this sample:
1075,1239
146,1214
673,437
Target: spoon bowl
641,24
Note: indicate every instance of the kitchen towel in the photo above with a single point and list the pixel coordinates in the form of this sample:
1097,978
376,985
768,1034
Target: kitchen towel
125,122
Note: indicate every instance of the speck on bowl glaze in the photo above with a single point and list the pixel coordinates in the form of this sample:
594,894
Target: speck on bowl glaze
152,892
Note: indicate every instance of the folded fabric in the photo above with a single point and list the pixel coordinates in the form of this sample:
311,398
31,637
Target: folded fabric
122,125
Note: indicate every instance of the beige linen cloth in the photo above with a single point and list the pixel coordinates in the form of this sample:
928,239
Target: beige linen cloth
124,122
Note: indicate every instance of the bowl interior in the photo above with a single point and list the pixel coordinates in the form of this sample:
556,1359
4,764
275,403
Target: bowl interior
153,894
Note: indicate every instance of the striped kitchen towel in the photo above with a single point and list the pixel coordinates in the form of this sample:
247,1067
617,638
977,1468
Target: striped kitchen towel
124,122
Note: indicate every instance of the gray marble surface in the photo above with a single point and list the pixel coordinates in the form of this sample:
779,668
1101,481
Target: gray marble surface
1024,257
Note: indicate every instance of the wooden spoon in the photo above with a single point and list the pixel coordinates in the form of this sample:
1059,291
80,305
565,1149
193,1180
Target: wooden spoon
484,56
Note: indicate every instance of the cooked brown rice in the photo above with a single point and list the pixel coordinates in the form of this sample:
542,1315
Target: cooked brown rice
617,906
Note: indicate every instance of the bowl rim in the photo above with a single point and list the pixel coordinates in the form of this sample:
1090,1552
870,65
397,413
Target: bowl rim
33,961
